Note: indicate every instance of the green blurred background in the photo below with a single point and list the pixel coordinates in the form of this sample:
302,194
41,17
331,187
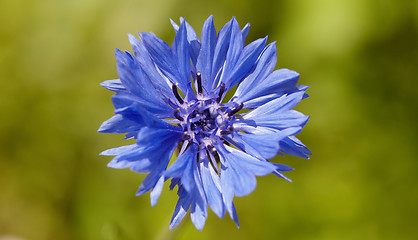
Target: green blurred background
360,57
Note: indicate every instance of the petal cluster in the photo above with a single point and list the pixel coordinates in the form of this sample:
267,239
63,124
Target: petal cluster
218,103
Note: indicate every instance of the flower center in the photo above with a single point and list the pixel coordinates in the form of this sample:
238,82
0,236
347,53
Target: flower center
205,120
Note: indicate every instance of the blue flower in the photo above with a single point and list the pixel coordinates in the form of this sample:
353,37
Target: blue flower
222,144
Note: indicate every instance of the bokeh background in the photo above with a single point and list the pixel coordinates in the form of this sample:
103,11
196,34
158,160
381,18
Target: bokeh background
360,58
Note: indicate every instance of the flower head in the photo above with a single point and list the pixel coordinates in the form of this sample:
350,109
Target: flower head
170,98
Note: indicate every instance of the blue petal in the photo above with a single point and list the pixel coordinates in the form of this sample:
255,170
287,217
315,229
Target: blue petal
132,112
251,127
206,55
191,34
281,175
237,173
148,154
222,44
158,133
233,215
244,32
120,164
119,150
114,85
282,167
193,41
288,119
135,112
137,82
264,146
124,99
138,160
132,77
181,209
295,147
256,102
163,57
156,191
128,106
277,113
152,178
227,184
119,124
244,182
116,163
139,86
156,143
192,38
265,66
174,182
183,168
212,186
181,56
246,162
247,60
174,24
147,64
186,169
198,212
233,54
198,216
277,84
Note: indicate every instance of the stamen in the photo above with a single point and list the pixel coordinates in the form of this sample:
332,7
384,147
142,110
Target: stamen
213,162
224,132
240,106
212,149
227,131
199,82
186,137
176,93
177,114
221,92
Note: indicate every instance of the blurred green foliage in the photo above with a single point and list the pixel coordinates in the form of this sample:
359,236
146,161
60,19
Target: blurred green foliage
359,56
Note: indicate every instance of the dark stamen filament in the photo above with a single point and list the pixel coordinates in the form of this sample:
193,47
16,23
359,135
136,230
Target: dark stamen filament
176,93
223,132
221,92
186,137
199,82
211,149
229,130
213,162
241,105
177,114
